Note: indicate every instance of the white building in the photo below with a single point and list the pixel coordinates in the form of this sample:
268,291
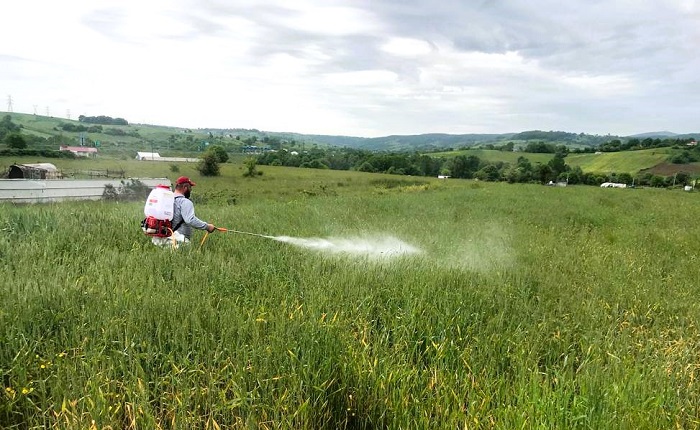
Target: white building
154,156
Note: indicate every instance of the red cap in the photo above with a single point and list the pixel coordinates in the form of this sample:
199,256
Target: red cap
184,180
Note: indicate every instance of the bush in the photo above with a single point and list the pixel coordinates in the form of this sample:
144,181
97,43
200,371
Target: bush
15,141
219,152
209,166
250,164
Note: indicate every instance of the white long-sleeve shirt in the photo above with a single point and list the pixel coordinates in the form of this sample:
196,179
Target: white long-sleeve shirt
183,214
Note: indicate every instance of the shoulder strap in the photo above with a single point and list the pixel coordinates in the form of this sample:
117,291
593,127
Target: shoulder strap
182,221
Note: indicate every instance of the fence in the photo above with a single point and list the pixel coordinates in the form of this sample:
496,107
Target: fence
38,191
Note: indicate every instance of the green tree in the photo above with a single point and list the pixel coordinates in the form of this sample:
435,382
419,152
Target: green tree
576,176
489,173
219,152
464,167
682,178
367,167
624,178
557,165
15,141
209,166
7,126
544,173
657,181
507,147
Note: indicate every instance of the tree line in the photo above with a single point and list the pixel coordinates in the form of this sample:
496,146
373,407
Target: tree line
461,166
102,119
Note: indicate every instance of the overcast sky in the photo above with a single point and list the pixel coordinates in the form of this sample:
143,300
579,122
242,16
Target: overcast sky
359,67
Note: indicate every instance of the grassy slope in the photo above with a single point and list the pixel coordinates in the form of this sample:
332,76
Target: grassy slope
619,162
126,146
609,162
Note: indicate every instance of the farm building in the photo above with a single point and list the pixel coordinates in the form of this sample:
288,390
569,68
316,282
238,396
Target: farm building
80,151
34,171
154,156
147,156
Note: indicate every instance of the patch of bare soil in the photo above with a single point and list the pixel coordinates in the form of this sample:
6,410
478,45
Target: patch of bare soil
669,169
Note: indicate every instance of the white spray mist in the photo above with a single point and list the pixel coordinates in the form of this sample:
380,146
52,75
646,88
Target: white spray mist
376,247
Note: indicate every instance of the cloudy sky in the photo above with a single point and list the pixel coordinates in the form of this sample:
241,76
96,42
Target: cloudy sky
359,67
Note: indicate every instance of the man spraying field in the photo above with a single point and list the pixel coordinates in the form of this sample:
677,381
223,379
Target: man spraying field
184,219
183,216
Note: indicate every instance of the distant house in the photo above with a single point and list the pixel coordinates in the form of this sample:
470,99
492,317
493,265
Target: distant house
154,156
34,171
80,151
253,149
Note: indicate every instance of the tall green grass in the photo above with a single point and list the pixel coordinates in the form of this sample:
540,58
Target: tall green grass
530,307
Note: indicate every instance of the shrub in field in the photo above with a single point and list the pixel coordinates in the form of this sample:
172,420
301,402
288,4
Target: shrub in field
219,153
250,164
209,166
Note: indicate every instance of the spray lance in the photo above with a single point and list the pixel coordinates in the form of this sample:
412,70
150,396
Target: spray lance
230,230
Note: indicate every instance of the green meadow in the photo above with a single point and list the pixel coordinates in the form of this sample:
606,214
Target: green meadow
620,162
529,307
631,162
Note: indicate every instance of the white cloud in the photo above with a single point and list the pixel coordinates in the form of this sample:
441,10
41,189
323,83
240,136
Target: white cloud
406,47
359,68
311,17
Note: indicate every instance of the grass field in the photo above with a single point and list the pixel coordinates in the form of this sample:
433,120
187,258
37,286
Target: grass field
620,162
529,307
631,162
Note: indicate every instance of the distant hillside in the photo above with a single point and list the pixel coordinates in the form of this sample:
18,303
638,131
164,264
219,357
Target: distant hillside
653,134
443,141
421,142
128,138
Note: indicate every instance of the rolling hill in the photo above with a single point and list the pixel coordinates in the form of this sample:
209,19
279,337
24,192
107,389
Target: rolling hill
123,141
145,135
